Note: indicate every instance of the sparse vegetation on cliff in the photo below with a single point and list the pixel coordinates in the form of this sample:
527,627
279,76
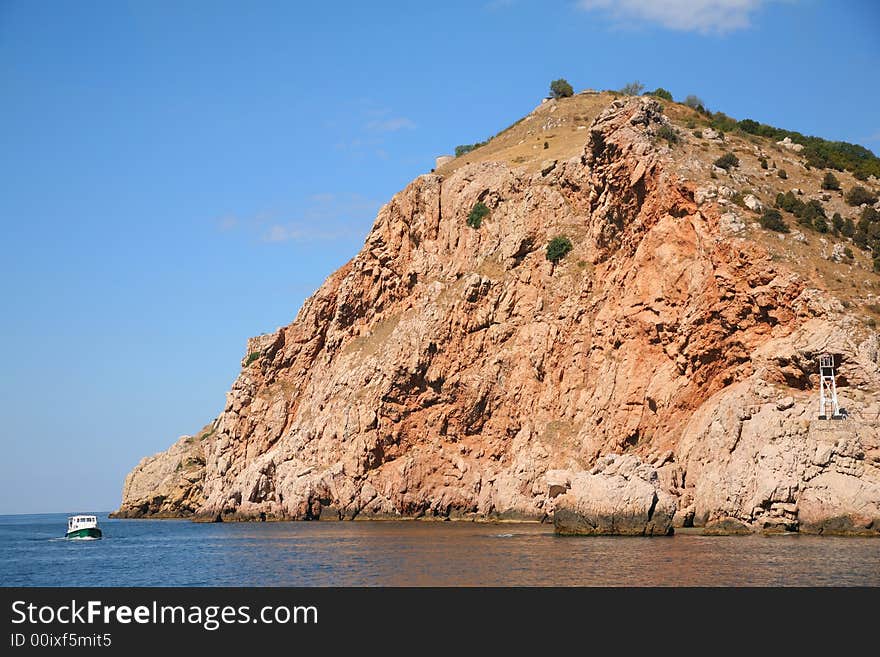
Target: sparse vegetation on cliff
858,195
830,182
772,220
727,161
463,149
819,153
668,133
558,248
810,214
477,214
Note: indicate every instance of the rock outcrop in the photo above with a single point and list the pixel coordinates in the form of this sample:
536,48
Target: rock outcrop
620,496
453,372
167,485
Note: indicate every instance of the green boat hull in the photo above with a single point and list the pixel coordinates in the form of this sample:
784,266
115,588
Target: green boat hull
90,532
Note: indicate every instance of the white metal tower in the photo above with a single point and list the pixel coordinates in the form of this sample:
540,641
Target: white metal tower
827,387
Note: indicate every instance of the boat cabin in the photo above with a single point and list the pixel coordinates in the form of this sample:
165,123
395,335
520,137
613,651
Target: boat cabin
81,522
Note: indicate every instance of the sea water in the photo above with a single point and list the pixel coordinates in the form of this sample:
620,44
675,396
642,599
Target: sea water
33,552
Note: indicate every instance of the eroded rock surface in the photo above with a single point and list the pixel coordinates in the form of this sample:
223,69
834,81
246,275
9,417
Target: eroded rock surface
455,372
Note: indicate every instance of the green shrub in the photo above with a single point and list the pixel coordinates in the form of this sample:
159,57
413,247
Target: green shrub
546,145
848,253
698,134
668,133
781,173
723,123
789,202
727,161
858,195
634,88
464,149
830,182
660,92
849,227
558,248
477,214
561,89
876,268
820,153
251,357
814,209
836,223
763,161
772,220
810,214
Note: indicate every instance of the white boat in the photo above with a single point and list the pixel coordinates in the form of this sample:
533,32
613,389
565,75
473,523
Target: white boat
83,527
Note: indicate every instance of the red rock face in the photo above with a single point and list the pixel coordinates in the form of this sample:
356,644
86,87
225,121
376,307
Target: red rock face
445,370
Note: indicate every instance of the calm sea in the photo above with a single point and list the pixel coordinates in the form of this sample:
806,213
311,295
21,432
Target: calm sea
181,553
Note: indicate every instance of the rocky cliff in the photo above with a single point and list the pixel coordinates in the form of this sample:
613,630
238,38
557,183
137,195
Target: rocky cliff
663,373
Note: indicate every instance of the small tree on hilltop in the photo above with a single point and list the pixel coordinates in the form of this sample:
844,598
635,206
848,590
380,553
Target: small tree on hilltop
633,89
660,92
558,248
561,89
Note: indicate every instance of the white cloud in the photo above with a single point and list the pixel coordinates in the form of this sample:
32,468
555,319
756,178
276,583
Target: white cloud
299,233
326,217
227,223
704,16
322,216
391,125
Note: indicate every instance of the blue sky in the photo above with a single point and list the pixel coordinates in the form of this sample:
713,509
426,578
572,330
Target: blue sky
178,176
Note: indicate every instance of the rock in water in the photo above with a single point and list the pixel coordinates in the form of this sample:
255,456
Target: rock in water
445,370
620,496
